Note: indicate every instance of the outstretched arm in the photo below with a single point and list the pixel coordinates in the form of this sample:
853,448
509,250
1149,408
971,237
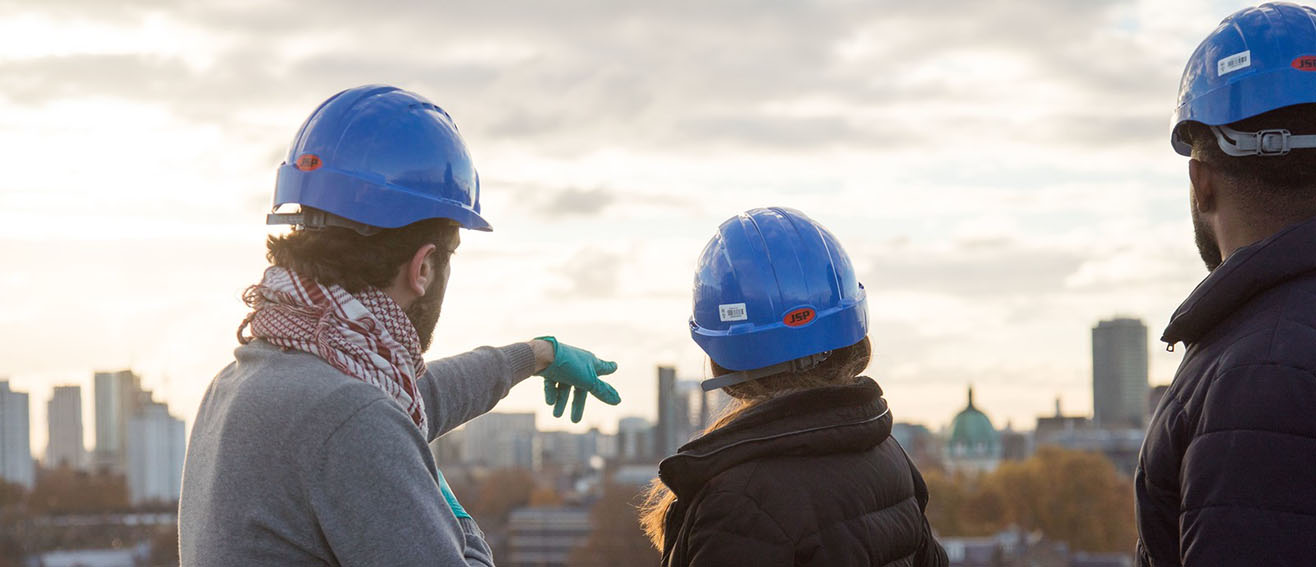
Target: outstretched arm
460,388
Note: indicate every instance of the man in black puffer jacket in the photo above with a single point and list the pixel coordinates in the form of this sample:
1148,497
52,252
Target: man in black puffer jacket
1225,474
790,482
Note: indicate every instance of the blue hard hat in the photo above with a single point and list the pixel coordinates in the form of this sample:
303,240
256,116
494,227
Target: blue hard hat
1259,59
381,157
774,288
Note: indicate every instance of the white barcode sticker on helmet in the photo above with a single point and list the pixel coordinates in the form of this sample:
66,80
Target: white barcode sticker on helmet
732,312
1233,63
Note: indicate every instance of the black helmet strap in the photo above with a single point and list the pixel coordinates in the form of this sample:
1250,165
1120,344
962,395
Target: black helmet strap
798,365
315,219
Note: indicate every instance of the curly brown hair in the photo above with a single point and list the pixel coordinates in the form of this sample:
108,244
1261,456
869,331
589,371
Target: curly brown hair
343,257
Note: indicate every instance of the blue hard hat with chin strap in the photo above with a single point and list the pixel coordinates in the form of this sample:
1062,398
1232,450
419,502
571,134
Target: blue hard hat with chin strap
377,157
1258,60
774,292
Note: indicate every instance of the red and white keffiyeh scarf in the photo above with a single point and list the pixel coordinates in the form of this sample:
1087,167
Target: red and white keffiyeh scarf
366,335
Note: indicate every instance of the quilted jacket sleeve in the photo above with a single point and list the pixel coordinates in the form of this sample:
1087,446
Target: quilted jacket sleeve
1247,495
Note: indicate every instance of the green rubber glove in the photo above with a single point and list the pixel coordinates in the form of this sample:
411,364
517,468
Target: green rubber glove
446,490
579,369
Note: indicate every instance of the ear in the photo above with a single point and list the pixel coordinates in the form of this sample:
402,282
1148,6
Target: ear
1203,179
419,271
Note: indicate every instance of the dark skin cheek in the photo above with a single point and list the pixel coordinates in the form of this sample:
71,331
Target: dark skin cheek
1207,246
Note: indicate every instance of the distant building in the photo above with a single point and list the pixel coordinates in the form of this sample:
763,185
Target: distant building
684,411
118,396
1015,548
154,446
1119,446
635,440
1050,427
1015,445
139,554
605,445
1081,559
974,444
673,414
64,427
919,442
16,464
544,537
635,475
1119,373
1009,547
574,451
501,441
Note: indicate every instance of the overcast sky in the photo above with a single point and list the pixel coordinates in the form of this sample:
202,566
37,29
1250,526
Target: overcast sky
1000,172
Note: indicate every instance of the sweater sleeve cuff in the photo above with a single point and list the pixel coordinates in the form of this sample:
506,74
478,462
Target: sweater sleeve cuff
520,359
477,550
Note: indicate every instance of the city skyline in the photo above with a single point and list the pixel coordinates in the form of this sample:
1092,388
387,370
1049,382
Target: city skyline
132,434
680,396
653,416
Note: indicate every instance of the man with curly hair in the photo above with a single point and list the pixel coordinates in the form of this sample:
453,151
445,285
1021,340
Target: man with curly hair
311,448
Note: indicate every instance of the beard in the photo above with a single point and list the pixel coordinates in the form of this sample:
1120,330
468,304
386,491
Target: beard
424,312
1207,245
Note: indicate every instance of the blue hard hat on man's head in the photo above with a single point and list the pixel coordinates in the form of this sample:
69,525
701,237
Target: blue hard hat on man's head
1258,60
774,292
379,157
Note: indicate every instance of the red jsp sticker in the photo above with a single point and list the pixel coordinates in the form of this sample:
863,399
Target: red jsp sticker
1305,63
798,317
308,162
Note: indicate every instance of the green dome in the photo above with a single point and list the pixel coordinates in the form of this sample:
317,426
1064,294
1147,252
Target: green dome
972,432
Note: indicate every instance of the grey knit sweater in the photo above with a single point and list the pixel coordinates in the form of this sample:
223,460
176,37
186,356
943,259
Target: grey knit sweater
292,462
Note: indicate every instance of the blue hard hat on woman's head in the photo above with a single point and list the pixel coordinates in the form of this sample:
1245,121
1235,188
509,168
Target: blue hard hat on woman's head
379,157
1258,60
774,291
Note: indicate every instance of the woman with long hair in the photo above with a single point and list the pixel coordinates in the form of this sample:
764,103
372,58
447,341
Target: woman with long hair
802,468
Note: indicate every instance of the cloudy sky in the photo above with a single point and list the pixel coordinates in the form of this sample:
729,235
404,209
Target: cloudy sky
999,170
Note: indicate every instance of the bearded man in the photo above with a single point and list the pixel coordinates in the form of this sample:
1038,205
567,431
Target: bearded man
1224,477
311,448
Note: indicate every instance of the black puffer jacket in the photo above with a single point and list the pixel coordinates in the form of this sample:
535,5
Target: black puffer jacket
813,478
1226,475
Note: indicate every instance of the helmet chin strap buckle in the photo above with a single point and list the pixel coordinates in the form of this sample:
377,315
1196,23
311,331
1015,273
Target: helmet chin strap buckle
798,365
315,219
1269,142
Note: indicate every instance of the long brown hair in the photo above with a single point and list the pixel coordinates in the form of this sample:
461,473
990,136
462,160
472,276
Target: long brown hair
840,368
